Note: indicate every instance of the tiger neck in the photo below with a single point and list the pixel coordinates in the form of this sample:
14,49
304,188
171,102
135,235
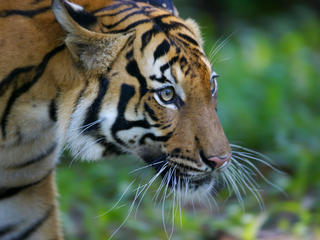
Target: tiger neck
30,147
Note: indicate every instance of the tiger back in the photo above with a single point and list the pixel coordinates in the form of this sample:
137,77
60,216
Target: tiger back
116,77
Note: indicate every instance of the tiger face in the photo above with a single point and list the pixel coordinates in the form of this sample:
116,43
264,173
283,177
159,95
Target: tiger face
146,88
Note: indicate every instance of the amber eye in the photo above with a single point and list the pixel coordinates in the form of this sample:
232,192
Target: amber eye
167,94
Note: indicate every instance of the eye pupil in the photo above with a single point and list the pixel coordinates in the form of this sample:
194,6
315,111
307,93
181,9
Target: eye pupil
167,94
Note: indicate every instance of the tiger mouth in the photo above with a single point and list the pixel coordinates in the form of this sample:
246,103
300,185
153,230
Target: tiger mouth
180,176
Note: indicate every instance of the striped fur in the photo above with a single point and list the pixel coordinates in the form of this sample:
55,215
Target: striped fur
92,80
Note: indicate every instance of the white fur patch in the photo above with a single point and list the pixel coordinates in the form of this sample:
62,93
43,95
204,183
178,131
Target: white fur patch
74,6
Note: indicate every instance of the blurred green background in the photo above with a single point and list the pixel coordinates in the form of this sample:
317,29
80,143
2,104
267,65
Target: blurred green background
269,101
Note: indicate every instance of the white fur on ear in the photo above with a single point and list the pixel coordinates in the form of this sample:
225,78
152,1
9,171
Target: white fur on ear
195,28
62,17
75,7
72,16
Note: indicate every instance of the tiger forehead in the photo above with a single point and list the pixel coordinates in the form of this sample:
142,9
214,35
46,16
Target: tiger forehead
120,18
161,33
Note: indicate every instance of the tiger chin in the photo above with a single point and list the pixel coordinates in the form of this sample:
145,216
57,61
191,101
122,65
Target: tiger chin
116,77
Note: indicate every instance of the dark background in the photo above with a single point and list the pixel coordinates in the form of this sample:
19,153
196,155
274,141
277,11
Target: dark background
269,67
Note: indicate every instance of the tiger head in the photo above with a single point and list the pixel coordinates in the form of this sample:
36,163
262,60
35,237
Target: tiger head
147,88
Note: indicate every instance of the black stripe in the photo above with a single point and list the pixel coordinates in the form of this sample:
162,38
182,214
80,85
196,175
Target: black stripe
36,159
132,25
129,54
25,13
183,62
26,86
162,49
7,229
109,147
186,167
133,69
127,92
33,227
150,112
9,192
155,138
53,110
37,1
116,13
94,110
183,157
146,37
176,25
140,11
162,79
166,27
188,39
112,7
187,71
165,66
166,126
158,26
12,75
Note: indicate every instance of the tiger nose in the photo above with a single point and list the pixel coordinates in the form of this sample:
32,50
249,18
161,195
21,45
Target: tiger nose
219,161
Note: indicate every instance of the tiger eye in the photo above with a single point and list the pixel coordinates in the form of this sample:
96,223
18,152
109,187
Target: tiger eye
167,94
213,84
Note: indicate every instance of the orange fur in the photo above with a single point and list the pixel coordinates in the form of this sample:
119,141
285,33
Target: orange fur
55,78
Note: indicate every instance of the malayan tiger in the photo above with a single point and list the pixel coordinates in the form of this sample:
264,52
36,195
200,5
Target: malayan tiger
100,77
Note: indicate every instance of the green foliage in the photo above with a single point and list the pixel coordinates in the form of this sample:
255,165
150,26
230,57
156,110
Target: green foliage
269,101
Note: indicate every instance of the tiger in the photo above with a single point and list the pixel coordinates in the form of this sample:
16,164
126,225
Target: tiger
100,78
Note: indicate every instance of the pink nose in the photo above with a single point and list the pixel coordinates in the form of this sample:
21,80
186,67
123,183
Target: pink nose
220,160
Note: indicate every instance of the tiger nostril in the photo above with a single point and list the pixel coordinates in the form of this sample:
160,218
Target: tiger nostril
215,161
220,161
204,159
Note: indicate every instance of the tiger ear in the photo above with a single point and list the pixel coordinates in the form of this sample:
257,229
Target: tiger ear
92,50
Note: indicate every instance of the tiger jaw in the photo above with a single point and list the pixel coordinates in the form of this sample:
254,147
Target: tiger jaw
184,179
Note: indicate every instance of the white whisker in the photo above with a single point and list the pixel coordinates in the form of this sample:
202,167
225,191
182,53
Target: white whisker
260,174
116,204
246,155
144,167
148,186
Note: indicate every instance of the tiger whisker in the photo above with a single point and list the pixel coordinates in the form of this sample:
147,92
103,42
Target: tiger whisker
149,185
162,184
144,167
220,46
246,155
164,198
214,201
234,146
259,173
129,213
243,179
86,147
253,188
222,60
119,200
173,205
87,126
229,177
